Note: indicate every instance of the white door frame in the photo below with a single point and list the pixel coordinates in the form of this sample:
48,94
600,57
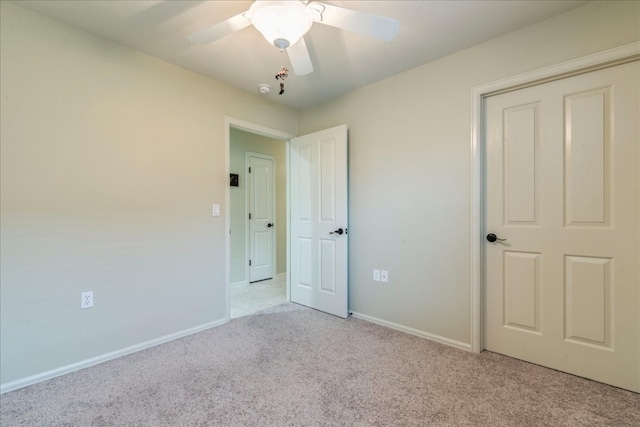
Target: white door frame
274,213
593,62
230,122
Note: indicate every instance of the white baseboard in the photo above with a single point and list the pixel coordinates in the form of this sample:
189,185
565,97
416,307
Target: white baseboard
412,331
243,282
23,382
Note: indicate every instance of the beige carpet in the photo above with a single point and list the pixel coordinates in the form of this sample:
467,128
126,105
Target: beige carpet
293,366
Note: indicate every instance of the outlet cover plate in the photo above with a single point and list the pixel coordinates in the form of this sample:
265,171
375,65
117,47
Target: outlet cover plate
86,299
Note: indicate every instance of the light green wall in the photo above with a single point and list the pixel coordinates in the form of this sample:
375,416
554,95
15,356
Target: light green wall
110,162
241,143
409,167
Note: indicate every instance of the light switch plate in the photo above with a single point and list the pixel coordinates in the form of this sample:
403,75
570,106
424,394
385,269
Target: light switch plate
376,275
216,209
384,276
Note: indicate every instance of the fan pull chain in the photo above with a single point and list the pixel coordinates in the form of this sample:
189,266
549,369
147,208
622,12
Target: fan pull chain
281,75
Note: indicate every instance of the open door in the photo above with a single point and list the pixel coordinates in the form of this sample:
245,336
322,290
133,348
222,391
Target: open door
319,229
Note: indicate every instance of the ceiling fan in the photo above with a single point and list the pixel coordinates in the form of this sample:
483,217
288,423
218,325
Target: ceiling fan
285,22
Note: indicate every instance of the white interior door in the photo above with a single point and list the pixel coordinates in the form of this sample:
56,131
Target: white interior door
563,189
261,216
318,215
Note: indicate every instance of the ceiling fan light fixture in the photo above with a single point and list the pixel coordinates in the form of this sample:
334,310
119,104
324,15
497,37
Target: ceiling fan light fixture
282,23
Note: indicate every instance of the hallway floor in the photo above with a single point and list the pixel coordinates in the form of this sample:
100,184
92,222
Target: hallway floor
253,297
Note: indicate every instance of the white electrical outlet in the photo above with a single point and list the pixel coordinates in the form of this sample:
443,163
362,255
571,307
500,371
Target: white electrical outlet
376,275
384,276
86,299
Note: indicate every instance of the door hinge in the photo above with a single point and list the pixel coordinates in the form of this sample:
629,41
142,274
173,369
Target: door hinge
249,169
249,216
249,263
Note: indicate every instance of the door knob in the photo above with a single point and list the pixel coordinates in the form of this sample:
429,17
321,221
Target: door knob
492,238
269,225
338,231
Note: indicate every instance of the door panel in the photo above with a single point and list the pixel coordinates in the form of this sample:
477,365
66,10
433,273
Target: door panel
587,300
261,210
562,187
327,278
587,140
521,195
319,257
522,290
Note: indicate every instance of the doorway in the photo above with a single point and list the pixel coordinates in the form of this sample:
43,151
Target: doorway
258,225
321,270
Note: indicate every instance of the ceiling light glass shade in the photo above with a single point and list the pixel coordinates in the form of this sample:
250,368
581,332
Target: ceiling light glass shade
280,22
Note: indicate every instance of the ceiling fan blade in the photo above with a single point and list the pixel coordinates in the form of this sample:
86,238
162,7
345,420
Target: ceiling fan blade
220,30
359,22
300,59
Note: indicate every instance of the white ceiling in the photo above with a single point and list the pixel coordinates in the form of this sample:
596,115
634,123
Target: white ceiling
342,60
